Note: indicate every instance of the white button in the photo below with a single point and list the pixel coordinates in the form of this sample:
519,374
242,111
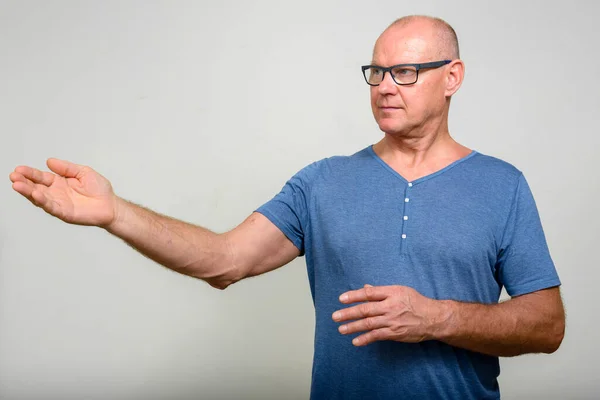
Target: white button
403,236
409,184
406,200
406,217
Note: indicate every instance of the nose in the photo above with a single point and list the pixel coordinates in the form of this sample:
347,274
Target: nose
387,85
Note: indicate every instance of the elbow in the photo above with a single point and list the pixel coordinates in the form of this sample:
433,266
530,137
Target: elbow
556,337
224,276
553,345
218,277
221,283
224,270
223,280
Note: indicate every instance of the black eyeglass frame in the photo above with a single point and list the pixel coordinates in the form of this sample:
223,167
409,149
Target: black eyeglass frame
433,64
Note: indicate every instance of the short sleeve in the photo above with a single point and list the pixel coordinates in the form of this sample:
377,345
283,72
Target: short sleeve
288,210
524,262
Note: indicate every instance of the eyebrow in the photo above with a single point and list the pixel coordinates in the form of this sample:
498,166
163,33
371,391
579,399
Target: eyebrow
381,65
373,63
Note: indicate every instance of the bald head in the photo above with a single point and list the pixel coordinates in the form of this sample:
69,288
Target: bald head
421,106
442,37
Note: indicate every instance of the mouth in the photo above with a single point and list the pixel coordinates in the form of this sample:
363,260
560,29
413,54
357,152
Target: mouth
389,108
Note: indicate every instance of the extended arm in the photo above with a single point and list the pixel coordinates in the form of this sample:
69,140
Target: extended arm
79,195
254,247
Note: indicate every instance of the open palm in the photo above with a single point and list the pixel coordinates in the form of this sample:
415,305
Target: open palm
74,193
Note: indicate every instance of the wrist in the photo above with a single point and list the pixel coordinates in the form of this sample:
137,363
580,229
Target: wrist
441,322
119,210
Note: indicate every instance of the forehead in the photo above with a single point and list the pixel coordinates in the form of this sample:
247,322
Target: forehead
405,45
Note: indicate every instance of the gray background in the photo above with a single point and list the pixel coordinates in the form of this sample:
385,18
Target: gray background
202,110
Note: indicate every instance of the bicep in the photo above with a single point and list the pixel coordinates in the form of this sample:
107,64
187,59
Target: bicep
258,246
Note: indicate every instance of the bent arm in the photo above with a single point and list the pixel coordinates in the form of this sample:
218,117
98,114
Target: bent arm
531,323
255,246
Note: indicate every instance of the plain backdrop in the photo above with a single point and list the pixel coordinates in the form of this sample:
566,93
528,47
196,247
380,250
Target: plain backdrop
202,110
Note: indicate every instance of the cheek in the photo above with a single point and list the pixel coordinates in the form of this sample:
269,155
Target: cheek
418,102
433,91
374,96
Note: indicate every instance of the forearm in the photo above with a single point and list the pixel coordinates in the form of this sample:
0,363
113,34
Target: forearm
182,247
510,328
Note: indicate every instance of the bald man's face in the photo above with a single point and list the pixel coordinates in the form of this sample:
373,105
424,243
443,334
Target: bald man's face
402,110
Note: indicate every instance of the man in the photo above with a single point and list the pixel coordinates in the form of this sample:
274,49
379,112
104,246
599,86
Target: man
419,230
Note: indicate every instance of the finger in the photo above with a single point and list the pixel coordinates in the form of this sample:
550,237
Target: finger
372,336
27,188
23,187
367,285
17,177
369,293
364,310
39,199
64,168
35,196
363,325
35,175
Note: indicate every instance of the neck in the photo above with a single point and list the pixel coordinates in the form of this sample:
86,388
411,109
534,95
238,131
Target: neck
417,154
431,140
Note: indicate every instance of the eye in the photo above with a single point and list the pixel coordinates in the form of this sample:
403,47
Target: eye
405,74
403,71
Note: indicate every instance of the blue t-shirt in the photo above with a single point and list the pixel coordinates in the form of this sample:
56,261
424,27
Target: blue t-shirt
461,233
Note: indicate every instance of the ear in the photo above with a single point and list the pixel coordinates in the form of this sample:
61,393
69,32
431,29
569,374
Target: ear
456,73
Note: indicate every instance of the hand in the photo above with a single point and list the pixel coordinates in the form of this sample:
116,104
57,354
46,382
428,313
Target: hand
397,313
74,193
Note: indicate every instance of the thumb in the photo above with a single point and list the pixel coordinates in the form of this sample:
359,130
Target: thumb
63,168
367,285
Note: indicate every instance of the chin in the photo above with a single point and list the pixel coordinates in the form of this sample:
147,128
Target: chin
392,128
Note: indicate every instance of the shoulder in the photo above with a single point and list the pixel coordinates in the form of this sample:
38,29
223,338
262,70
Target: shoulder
488,179
334,166
491,164
493,169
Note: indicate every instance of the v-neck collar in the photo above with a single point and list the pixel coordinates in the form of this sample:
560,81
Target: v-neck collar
423,178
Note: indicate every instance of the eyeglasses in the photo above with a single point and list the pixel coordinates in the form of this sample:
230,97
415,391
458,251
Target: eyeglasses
402,74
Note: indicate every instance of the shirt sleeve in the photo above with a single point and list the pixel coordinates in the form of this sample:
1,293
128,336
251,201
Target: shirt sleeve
524,261
289,209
